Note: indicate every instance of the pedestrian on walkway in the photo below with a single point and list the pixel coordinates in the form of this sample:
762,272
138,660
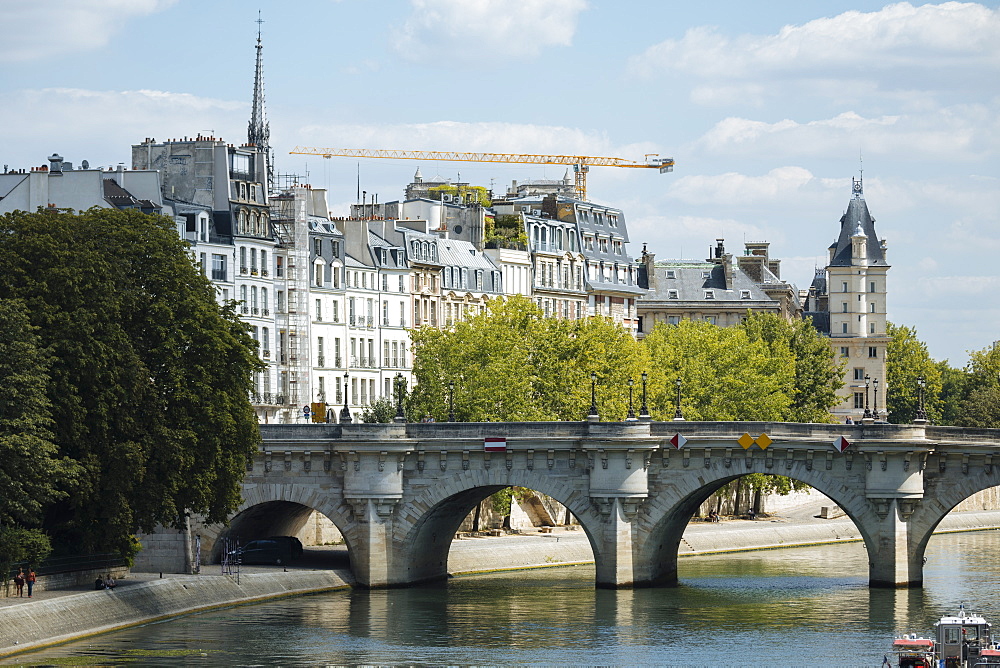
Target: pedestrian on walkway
31,580
19,582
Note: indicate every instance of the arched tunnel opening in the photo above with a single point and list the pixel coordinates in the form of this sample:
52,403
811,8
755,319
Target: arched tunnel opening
495,528
308,539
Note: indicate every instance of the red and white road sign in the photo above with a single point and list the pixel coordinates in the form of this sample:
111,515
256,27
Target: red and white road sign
841,444
495,444
678,441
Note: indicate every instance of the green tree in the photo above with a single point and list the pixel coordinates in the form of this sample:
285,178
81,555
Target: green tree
953,391
31,473
981,405
150,377
511,363
906,360
725,375
817,374
380,410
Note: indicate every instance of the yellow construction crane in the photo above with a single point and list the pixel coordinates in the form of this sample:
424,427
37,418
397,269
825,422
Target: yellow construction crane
581,163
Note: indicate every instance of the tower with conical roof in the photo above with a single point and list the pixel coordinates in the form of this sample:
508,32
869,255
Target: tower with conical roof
259,132
856,292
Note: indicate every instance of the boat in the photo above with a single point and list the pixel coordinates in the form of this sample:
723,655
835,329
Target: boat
960,641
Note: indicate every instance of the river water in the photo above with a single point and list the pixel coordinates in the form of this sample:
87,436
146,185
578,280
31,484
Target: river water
791,607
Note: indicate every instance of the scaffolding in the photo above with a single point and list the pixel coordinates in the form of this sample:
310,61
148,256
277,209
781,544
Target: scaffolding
289,218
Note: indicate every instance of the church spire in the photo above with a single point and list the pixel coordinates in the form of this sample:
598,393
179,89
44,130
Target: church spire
259,132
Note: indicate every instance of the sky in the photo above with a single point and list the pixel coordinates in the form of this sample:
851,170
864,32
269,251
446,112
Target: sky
769,110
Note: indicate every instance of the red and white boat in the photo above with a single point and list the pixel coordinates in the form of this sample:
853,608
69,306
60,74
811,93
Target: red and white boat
961,641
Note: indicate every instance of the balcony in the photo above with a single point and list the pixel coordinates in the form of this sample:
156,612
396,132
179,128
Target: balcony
253,271
243,270
264,311
244,310
351,320
337,361
370,322
320,361
255,310
263,272
266,354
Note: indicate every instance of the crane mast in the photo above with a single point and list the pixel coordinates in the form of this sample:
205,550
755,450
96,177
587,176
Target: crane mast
581,163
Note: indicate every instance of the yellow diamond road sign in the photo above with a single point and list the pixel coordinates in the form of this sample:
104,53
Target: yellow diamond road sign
746,440
763,441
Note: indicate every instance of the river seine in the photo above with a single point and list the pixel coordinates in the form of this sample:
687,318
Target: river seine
793,607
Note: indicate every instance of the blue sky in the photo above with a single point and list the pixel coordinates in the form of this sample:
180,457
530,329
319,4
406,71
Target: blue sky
766,108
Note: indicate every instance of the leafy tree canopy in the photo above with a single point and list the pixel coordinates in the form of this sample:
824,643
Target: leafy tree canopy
981,406
906,360
149,376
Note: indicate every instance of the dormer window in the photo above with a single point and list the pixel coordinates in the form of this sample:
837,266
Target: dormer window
672,294
706,274
744,294
671,273
709,294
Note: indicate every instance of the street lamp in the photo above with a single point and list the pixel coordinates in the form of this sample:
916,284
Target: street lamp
875,400
868,413
677,414
400,384
345,412
631,411
451,401
644,411
593,415
921,413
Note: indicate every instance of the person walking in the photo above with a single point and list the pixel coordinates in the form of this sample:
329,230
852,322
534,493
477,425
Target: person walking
19,582
31,580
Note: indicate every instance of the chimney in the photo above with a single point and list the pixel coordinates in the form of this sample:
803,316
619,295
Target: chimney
55,164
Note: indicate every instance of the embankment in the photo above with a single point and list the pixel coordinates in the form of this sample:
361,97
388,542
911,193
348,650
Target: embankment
51,621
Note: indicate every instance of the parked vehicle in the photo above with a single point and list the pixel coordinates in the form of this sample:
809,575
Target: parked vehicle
266,551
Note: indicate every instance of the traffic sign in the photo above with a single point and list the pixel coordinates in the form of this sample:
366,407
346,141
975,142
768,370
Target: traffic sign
678,441
841,444
306,410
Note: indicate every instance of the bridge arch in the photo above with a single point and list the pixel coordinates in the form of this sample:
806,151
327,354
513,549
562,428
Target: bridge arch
667,515
275,509
423,533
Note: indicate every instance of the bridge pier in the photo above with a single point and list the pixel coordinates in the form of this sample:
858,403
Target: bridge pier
895,560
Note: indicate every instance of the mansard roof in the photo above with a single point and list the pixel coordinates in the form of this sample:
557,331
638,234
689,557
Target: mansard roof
857,216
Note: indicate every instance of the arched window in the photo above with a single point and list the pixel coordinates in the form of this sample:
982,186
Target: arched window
242,222
243,294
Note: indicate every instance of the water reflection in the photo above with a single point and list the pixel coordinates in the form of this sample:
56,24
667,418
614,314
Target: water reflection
757,608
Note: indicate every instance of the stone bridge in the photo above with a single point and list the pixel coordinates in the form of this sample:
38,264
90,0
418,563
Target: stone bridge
398,492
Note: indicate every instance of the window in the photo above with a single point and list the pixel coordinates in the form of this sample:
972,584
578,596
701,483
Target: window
871,307
845,286
845,351
673,320
218,267
385,283
871,328
710,319
319,310
844,307
279,266
266,341
671,294
402,284
859,373
871,286
744,294
263,301
872,351
336,311
843,328
706,274
243,259
317,247
859,399
709,294
671,273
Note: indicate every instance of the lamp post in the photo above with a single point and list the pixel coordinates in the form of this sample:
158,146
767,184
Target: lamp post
451,401
868,413
677,414
400,384
644,411
921,413
875,399
631,411
345,412
593,416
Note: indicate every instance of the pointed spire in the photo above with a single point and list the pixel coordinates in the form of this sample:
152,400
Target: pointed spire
259,132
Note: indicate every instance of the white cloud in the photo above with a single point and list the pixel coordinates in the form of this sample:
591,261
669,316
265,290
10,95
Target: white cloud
68,26
495,137
736,189
106,123
950,44
454,31
957,133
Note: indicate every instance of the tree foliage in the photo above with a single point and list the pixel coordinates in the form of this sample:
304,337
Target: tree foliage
906,360
149,376
380,410
981,404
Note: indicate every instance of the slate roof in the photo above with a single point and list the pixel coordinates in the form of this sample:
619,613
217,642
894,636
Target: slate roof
458,253
857,216
691,284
